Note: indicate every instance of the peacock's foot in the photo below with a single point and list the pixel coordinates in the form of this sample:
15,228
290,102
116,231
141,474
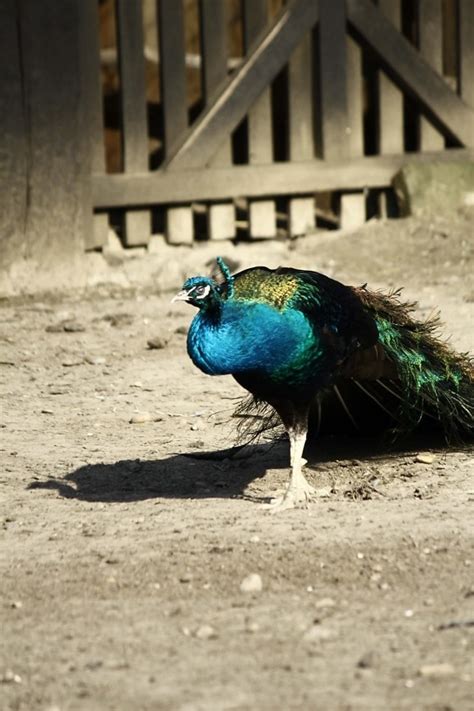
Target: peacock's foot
298,494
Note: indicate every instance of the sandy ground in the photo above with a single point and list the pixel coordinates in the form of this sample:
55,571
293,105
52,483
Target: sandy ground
122,557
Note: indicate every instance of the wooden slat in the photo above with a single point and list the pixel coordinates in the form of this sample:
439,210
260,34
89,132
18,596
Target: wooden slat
332,81
353,210
92,106
262,213
231,183
466,50
179,227
221,218
134,120
430,36
390,135
301,133
416,77
241,90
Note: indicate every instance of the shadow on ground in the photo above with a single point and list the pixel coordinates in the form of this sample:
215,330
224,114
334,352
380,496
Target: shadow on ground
222,473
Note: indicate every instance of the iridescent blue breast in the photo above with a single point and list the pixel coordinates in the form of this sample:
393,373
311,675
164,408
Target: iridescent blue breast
249,337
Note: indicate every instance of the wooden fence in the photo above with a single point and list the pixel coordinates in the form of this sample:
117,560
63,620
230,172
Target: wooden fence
221,119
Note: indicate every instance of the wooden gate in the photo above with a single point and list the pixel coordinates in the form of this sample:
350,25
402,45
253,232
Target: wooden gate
327,97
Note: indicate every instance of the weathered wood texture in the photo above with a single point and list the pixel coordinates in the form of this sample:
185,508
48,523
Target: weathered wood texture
301,213
390,136
44,141
353,210
332,80
412,73
430,38
466,50
220,183
221,217
134,120
179,226
14,123
261,66
96,234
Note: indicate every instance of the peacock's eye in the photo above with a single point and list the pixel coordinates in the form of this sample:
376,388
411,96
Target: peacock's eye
202,290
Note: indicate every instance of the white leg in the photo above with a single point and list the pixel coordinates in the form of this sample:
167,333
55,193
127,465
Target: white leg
299,491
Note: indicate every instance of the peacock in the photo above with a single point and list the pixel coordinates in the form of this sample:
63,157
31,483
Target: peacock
321,354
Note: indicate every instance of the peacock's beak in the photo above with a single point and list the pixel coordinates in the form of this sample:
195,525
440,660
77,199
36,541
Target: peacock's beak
180,296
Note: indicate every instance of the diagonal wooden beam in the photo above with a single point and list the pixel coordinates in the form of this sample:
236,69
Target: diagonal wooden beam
411,71
268,55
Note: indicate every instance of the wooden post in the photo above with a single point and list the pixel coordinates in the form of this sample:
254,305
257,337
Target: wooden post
221,217
134,120
353,212
92,101
14,120
430,38
179,220
301,210
391,136
262,213
332,83
466,51
51,172
391,98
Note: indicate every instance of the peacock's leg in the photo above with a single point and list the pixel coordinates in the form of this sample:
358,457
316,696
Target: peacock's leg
299,491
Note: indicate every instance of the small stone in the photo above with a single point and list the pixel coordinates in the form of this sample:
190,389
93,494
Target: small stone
318,633
325,602
425,458
205,632
157,342
436,670
182,330
72,362
251,583
73,326
9,677
95,360
17,605
367,660
409,613
185,578
251,627
140,418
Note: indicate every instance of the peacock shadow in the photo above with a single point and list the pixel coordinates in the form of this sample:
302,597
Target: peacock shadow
223,473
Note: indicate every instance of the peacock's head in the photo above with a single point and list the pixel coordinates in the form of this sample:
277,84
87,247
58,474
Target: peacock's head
199,291
204,292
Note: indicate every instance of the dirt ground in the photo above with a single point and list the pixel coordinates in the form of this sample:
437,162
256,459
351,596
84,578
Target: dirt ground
122,556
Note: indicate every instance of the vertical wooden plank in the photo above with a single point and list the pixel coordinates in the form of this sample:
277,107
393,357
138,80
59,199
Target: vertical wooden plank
353,212
14,121
262,213
332,79
301,140
430,37
134,119
466,50
93,123
391,99
213,16
390,134
179,220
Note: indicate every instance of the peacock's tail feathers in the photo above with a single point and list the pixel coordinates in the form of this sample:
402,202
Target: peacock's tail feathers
432,380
